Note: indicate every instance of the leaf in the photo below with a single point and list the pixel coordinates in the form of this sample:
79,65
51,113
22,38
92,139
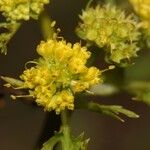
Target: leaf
104,89
75,143
80,143
12,82
143,97
141,90
5,37
51,143
110,110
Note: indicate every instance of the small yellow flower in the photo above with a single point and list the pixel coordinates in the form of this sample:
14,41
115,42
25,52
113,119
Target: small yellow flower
142,7
59,74
92,75
15,10
109,28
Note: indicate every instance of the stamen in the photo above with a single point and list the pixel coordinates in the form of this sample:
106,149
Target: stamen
20,96
109,68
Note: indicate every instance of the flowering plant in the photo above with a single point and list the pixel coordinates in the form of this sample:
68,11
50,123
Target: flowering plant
65,73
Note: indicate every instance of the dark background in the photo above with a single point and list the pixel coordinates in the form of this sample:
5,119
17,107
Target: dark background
22,124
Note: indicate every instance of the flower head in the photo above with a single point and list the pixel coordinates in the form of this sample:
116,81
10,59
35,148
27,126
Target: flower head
109,28
15,10
58,74
142,8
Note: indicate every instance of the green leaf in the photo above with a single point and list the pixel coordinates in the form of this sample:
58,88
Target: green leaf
6,36
110,110
80,143
104,89
12,82
141,90
51,143
75,143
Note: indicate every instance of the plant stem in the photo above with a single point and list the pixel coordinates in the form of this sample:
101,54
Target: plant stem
89,3
66,143
45,22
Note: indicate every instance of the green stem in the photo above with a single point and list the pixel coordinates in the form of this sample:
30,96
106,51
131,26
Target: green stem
89,3
47,29
66,143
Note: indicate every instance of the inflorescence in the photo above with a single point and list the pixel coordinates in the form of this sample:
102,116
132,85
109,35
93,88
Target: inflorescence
59,74
142,8
109,28
15,10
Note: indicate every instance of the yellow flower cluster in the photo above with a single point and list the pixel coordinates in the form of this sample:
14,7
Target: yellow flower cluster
15,10
142,7
59,74
109,28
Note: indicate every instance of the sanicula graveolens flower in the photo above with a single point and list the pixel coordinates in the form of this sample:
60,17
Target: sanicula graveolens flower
59,74
142,8
109,28
15,10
